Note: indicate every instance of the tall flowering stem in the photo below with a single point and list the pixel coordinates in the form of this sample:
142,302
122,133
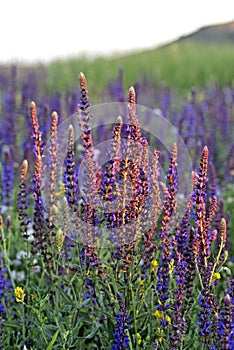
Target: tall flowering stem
149,241
22,201
132,169
201,244
109,188
121,339
70,178
36,135
53,176
179,323
134,126
172,178
127,163
168,209
42,240
223,239
38,218
185,238
7,176
183,230
114,218
155,190
204,238
2,308
84,118
205,314
228,336
53,156
191,267
89,203
170,200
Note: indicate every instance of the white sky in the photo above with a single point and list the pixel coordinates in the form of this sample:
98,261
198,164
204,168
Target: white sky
45,29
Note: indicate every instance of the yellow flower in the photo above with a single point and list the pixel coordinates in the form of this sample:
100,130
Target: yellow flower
168,319
159,301
154,264
216,276
62,190
19,294
160,340
107,267
160,331
139,340
158,314
171,267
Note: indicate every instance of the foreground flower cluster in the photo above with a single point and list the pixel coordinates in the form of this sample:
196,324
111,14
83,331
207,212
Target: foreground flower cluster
160,281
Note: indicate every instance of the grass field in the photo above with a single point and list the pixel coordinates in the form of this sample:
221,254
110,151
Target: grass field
179,65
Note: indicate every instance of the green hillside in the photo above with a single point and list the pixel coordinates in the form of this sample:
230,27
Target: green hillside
220,33
182,64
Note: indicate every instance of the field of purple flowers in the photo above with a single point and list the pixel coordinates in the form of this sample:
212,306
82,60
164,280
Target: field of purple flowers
121,259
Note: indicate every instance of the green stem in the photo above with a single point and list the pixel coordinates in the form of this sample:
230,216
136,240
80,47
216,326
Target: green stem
134,309
23,324
199,275
216,262
7,260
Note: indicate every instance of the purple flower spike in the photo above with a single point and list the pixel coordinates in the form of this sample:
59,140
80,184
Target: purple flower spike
121,339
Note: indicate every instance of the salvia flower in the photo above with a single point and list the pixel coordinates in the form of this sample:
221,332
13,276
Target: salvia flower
163,282
155,203
227,323
134,126
90,291
168,209
7,176
42,238
121,338
179,323
204,317
202,244
23,216
90,203
36,135
2,307
53,157
70,178
170,200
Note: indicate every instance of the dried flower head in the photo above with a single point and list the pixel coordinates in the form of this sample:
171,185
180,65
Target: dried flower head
24,170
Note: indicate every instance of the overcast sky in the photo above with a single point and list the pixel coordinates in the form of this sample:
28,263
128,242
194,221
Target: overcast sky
46,29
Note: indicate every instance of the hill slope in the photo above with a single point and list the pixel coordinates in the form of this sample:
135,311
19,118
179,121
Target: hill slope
219,33
193,60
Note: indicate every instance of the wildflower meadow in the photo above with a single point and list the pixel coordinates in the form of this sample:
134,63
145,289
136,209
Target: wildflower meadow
116,218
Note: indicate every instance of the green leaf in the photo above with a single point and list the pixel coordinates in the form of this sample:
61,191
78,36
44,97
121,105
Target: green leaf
65,296
49,330
53,340
93,332
11,325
